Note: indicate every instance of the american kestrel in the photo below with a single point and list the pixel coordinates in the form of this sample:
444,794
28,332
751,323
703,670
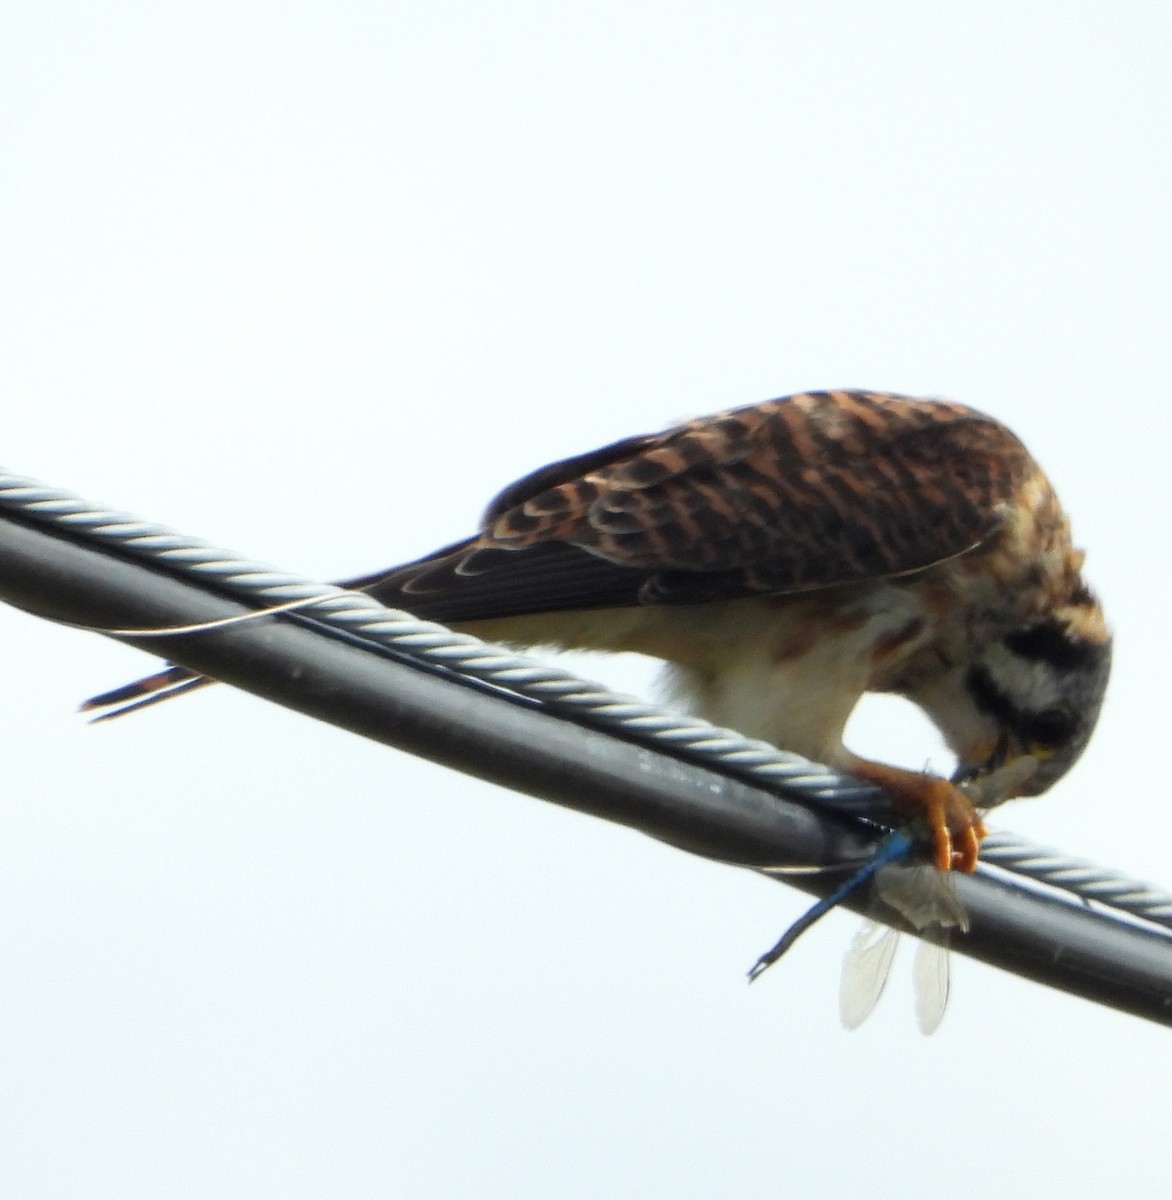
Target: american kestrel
787,557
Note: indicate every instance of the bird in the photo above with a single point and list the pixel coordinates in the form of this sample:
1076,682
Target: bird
785,558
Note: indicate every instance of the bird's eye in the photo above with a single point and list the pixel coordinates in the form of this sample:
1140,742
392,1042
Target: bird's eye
1050,728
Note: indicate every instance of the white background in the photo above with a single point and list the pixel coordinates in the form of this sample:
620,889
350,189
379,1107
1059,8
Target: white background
313,281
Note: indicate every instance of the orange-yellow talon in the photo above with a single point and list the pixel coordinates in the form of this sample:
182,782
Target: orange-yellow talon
954,826
942,843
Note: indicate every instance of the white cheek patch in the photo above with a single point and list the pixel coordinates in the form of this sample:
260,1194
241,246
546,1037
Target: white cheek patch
1031,685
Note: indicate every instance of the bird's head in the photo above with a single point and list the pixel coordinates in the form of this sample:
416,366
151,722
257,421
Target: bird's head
1035,692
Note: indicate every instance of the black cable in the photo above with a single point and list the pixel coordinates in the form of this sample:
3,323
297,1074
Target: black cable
63,570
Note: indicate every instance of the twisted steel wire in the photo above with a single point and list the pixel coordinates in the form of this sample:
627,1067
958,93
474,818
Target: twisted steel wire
1079,876
436,646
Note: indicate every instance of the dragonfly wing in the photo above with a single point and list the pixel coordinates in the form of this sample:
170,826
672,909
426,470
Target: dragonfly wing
923,896
864,972
930,973
926,897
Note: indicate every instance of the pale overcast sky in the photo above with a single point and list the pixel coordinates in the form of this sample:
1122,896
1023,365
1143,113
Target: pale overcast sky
314,281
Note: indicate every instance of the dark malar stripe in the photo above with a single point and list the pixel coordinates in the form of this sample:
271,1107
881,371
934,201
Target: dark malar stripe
991,699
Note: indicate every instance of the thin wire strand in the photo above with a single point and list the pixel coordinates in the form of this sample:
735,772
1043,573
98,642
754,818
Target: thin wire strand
261,585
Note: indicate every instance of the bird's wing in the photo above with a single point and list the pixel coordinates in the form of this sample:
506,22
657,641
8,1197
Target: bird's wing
795,494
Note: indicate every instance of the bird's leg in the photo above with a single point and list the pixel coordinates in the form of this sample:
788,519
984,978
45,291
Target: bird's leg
954,824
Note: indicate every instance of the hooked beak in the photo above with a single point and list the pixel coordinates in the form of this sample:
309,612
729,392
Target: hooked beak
997,771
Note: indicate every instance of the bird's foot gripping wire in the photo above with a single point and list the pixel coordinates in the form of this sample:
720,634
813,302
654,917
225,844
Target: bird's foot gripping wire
981,791
949,813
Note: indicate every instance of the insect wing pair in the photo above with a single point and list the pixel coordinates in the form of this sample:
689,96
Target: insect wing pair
921,896
924,897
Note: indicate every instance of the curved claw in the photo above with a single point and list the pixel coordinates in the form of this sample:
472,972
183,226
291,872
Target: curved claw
954,825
